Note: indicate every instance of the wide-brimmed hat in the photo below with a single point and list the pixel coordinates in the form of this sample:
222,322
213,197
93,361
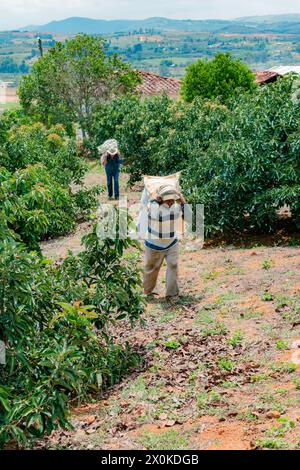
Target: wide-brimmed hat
167,192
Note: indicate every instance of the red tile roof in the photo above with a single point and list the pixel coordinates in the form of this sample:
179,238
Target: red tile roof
265,77
156,85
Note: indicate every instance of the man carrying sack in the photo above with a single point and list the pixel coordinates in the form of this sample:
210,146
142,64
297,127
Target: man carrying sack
111,160
164,215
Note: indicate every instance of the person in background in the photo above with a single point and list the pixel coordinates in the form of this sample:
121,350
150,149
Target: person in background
158,223
111,160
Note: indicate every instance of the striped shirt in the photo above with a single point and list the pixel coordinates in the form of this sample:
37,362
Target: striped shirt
160,225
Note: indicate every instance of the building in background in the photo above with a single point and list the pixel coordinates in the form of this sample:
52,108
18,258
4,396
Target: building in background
272,74
284,69
157,85
265,77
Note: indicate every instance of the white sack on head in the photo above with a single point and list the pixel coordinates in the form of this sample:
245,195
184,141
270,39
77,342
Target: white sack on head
110,146
153,183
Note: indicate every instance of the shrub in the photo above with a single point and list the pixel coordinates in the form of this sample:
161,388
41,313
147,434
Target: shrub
54,321
35,205
12,118
86,201
137,125
37,167
157,135
30,144
240,160
220,78
251,167
108,117
72,78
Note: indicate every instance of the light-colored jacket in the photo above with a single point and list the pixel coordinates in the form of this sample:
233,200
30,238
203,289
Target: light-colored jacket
162,226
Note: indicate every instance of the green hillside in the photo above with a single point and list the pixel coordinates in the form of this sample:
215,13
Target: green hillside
258,24
161,45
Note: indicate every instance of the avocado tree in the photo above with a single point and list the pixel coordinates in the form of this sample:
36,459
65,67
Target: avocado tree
67,82
251,168
219,78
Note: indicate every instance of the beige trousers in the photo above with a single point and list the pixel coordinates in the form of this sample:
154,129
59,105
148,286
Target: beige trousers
153,262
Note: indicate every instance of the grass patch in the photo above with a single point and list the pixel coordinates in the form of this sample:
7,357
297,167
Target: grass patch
140,390
202,400
229,384
8,107
205,317
267,264
275,435
260,377
283,367
228,297
282,344
267,296
234,270
296,382
285,425
168,440
226,364
248,416
272,401
172,344
290,307
236,339
282,301
211,275
210,403
249,314
216,329
187,299
275,444
195,374
168,316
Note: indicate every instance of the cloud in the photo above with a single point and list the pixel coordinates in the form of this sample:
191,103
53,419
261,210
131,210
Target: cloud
16,13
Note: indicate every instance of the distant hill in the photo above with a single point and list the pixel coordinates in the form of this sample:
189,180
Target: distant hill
281,24
92,26
270,18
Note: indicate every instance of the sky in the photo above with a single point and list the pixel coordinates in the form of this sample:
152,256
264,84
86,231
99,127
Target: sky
18,13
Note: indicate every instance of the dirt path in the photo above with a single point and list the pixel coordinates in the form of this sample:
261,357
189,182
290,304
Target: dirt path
221,364
59,247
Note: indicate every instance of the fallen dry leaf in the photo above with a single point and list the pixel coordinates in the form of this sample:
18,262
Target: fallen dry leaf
170,422
90,419
272,414
90,431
